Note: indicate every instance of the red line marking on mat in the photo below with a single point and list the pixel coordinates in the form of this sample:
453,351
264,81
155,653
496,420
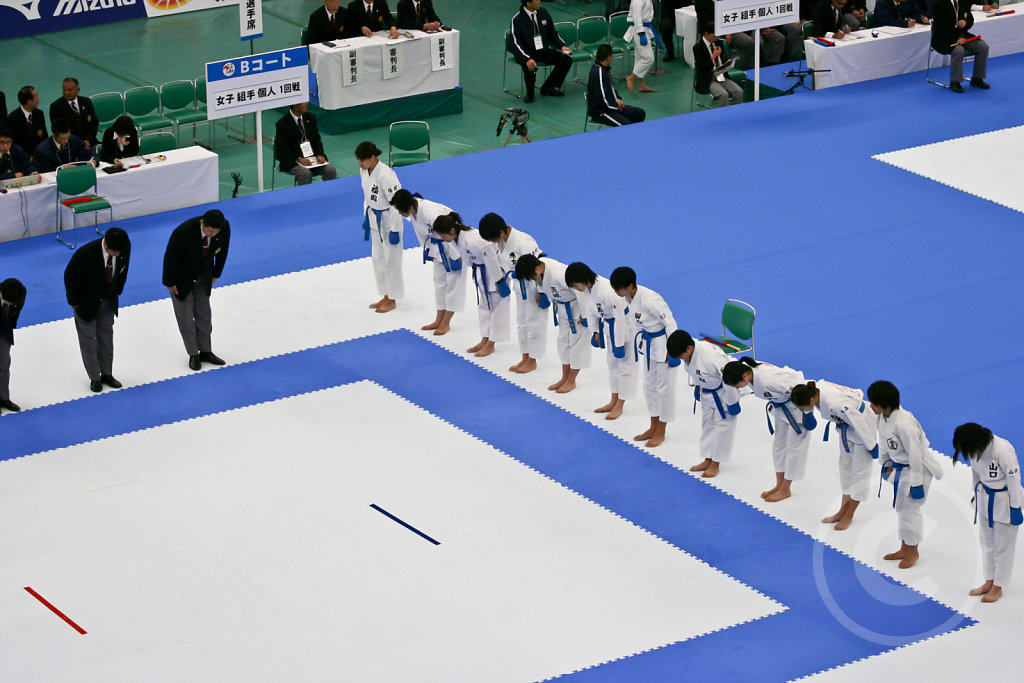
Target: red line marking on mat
56,611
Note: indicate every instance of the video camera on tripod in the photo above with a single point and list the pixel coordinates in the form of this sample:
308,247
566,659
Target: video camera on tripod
517,118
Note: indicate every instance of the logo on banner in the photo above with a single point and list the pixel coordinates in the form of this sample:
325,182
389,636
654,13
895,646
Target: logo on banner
229,69
168,4
30,8
79,6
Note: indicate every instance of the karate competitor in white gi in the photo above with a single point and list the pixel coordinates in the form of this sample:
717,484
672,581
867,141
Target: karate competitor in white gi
382,226
650,322
858,445
531,319
907,463
719,403
997,502
643,35
791,437
606,316
492,309
573,350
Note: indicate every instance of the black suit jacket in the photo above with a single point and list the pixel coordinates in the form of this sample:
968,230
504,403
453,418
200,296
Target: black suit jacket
3,103
47,158
25,136
705,13
407,14
522,35
85,279
84,124
17,162
825,18
703,66
110,149
288,138
185,267
319,28
379,20
8,323
944,30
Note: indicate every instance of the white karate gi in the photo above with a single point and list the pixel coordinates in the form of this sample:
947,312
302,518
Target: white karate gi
449,276
789,445
607,318
492,309
641,12
855,426
996,479
648,313
379,187
531,319
902,442
573,337
717,418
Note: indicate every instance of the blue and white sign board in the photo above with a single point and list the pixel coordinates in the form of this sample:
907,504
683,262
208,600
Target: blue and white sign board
737,16
250,19
250,84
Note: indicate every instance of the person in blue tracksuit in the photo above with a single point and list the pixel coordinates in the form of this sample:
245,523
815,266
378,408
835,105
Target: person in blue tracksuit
603,102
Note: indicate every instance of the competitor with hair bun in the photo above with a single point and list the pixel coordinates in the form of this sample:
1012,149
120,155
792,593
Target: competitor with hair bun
858,441
790,442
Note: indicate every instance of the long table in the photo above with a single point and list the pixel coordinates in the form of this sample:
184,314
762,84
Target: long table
417,75
686,28
901,51
189,176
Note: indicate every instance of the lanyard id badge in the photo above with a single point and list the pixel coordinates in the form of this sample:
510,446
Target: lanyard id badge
306,148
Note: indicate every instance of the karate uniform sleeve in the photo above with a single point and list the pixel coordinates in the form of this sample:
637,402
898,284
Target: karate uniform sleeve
490,253
1011,469
666,315
390,185
622,328
911,435
863,429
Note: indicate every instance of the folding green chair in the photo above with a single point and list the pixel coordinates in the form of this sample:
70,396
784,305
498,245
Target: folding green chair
738,321
618,24
108,106
154,143
73,182
143,105
567,31
411,138
178,102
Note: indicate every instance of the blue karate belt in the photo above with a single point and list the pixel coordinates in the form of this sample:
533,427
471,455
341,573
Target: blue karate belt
991,501
611,331
445,261
366,222
646,339
522,284
483,278
897,469
698,390
842,427
568,314
649,25
785,411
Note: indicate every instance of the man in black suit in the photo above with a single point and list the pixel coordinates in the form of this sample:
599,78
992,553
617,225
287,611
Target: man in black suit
77,110
12,299
60,148
951,23
297,145
14,162
830,16
372,16
534,39
329,22
707,55
120,141
27,122
193,261
93,281
3,105
418,14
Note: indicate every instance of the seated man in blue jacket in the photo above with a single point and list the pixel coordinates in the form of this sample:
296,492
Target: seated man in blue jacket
903,13
14,162
533,40
603,102
61,148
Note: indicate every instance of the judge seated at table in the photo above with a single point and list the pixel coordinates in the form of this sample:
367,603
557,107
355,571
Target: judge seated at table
329,22
830,16
902,13
298,147
418,14
372,16
62,147
120,141
14,162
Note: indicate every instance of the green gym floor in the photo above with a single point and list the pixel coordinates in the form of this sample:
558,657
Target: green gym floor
119,56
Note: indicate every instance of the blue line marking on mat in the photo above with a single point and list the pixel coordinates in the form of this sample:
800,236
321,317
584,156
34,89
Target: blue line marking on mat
838,610
406,525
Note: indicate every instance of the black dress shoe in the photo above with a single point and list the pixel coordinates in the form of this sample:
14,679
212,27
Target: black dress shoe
552,92
7,404
194,363
96,386
110,381
956,87
980,83
528,97
211,357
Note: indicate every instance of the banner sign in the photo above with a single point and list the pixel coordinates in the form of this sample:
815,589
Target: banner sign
19,18
352,67
250,18
439,55
249,84
737,16
391,57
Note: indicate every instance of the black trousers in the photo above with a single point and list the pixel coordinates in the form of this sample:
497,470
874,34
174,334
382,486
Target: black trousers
561,62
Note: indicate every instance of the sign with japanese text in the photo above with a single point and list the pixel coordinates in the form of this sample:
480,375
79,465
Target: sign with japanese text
351,67
392,61
249,84
737,16
250,19
440,57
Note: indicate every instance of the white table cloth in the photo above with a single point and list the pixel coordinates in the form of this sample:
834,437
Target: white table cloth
686,28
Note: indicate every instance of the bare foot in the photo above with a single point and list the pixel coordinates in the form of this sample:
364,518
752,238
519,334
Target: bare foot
645,436
655,441
616,412
711,471
776,496
606,408
833,518
388,305
646,88
631,83
982,589
515,368
910,559
378,303
765,494
844,523
485,350
557,385
432,326
898,555
443,328
701,466
993,594
476,347
528,366
567,386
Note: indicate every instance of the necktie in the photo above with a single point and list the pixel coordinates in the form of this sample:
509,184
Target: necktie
110,268
206,245
536,26
369,10
956,9
331,22
419,19
62,153
74,106
302,128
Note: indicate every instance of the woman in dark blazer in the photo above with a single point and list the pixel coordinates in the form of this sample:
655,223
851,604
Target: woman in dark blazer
120,141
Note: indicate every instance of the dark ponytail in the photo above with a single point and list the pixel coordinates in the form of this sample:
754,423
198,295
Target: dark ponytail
802,394
733,371
969,441
449,224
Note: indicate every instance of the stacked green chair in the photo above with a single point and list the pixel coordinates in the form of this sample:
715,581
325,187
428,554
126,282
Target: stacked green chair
178,103
154,143
108,106
143,105
737,321
412,139
74,182
567,31
618,24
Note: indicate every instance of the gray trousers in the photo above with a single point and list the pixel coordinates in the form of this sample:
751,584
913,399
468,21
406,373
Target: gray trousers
195,320
304,176
5,370
978,48
722,90
96,342
772,47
